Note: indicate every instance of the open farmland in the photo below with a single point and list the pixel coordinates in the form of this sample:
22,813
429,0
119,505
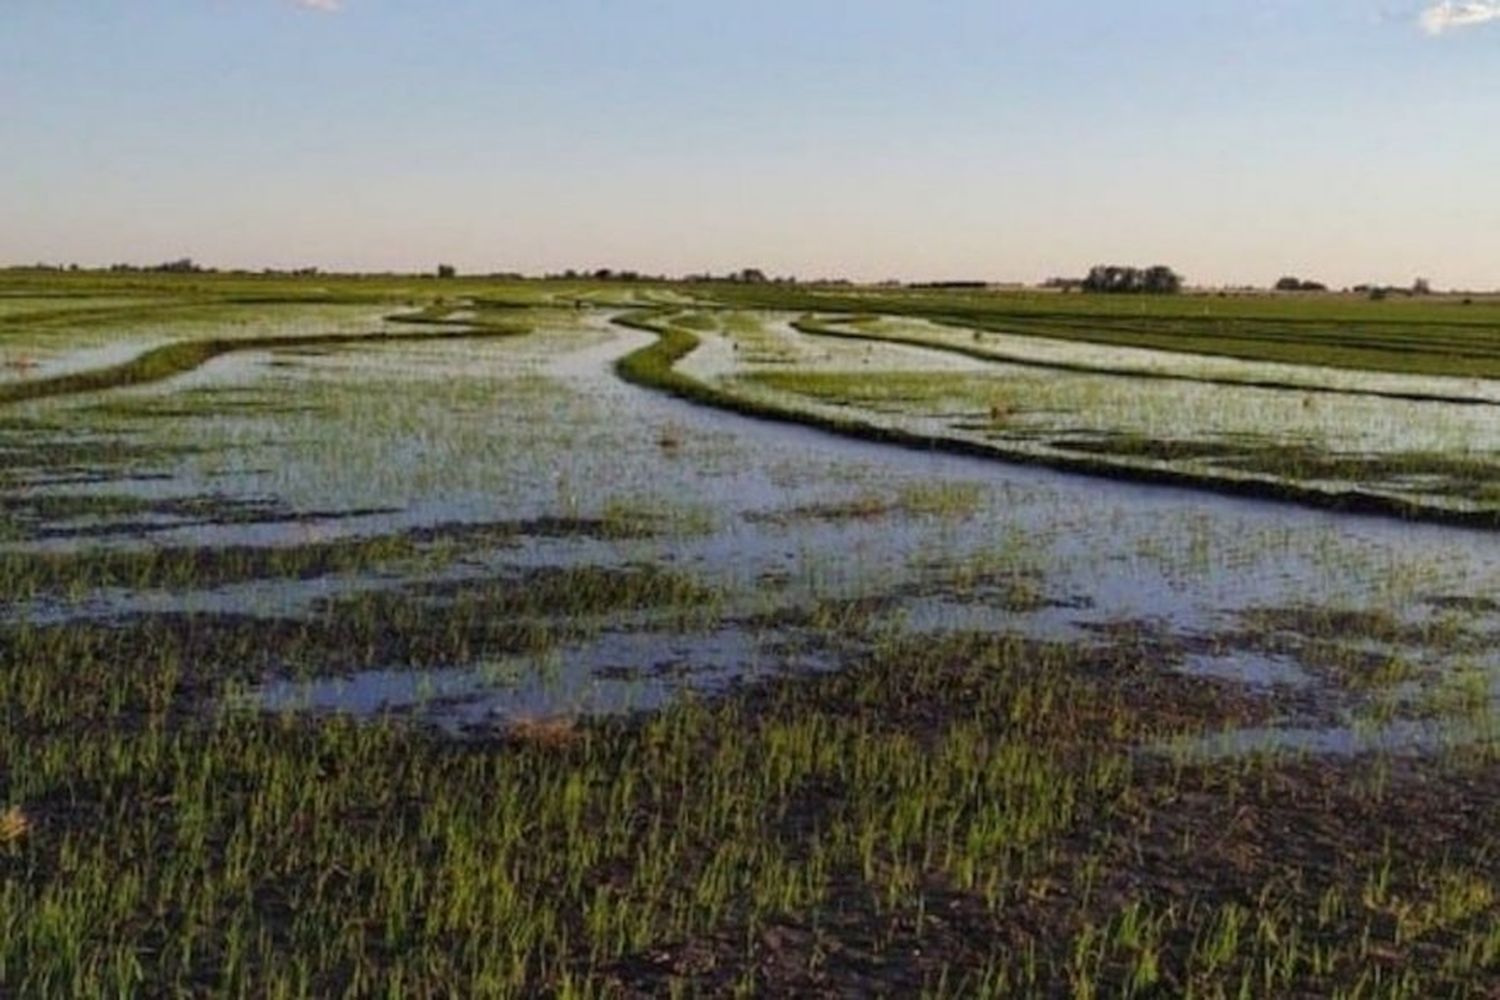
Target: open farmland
467,637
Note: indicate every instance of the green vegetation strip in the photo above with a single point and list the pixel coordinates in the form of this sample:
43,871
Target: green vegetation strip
175,359
653,366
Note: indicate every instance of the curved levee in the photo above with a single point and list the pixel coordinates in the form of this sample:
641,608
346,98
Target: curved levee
177,358
815,328
654,366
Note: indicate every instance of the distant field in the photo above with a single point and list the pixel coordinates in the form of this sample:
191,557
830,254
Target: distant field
1455,335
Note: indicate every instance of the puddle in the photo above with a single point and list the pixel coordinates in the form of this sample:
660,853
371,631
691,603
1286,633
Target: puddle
1254,670
22,368
620,672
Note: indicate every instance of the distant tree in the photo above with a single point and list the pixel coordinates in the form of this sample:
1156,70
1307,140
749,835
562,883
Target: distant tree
1292,284
1421,287
447,271
1101,279
183,266
1113,279
1161,280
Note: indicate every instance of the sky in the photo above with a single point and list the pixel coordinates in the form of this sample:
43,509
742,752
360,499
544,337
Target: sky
1237,141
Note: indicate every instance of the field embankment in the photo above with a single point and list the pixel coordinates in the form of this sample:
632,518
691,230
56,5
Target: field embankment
654,366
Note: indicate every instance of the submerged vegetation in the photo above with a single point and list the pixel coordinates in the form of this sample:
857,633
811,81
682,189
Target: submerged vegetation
383,636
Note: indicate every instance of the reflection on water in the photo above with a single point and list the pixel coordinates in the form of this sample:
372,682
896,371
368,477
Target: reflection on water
616,673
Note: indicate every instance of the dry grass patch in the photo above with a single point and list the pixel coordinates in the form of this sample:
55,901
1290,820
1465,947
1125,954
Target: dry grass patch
560,731
14,824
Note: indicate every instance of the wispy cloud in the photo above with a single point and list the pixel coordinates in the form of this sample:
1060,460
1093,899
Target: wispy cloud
326,6
1450,14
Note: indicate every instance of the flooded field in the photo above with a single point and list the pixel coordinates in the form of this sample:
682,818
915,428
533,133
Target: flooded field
611,640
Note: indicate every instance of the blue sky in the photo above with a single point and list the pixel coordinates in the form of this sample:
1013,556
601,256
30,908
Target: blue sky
1344,139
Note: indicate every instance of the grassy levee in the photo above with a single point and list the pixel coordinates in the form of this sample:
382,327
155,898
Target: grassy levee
183,356
815,328
653,366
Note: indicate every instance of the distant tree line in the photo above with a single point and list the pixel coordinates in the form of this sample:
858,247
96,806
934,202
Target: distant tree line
1421,286
604,274
184,265
1114,279
1104,278
42,266
744,276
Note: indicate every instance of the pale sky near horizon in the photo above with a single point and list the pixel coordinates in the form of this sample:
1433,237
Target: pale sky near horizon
1347,140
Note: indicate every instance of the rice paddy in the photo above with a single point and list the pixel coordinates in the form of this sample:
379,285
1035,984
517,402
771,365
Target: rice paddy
498,638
